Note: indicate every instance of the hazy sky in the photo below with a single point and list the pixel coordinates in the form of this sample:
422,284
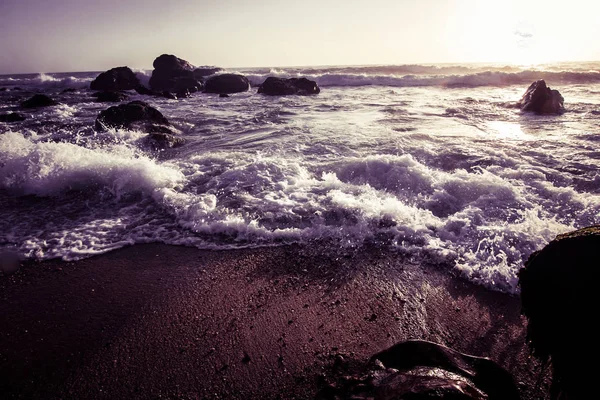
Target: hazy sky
84,35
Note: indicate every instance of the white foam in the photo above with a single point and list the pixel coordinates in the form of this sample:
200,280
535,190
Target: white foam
47,81
48,168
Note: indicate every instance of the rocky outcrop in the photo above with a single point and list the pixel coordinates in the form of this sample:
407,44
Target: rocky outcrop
38,100
138,115
203,72
110,97
12,117
540,99
281,87
174,75
133,115
559,299
422,370
227,83
120,78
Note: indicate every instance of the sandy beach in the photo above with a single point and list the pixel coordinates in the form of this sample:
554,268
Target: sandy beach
158,321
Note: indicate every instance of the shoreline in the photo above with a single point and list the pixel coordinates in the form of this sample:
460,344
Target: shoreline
155,320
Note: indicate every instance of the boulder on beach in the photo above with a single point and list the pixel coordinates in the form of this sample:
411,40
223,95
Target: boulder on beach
418,369
273,86
120,78
38,100
227,83
559,299
173,74
12,117
110,97
540,99
202,72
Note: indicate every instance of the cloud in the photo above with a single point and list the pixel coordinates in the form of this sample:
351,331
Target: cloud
524,35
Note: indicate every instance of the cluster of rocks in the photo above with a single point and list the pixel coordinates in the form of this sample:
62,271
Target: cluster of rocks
417,370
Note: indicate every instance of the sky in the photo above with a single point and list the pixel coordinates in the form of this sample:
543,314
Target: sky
94,35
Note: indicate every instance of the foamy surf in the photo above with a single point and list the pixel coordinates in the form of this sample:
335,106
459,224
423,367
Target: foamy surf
432,161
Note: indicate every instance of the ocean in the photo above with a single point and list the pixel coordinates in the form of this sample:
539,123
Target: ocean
434,162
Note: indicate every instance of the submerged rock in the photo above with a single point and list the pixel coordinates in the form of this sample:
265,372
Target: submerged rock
202,72
38,100
12,117
108,97
120,78
227,83
540,99
165,140
424,370
559,299
281,87
173,74
136,115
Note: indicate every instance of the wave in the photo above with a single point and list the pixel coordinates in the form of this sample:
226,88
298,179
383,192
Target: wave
50,168
477,79
45,81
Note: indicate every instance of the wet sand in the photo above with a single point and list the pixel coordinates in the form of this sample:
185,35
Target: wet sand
158,321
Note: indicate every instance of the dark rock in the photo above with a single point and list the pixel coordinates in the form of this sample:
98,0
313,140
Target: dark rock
559,299
3,89
134,115
165,140
38,100
202,72
183,94
110,96
16,88
149,92
120,78
223,95
144,91
12,117
69,90
281,87
227,83
173,74
540,99
423,370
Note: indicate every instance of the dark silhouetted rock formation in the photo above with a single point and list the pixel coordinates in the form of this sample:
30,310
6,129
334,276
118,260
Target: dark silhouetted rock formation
135,114
108,97
418,370
174,75
38,100
280,87
540,99
12,117
138,115
120,78
227,83
559,299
